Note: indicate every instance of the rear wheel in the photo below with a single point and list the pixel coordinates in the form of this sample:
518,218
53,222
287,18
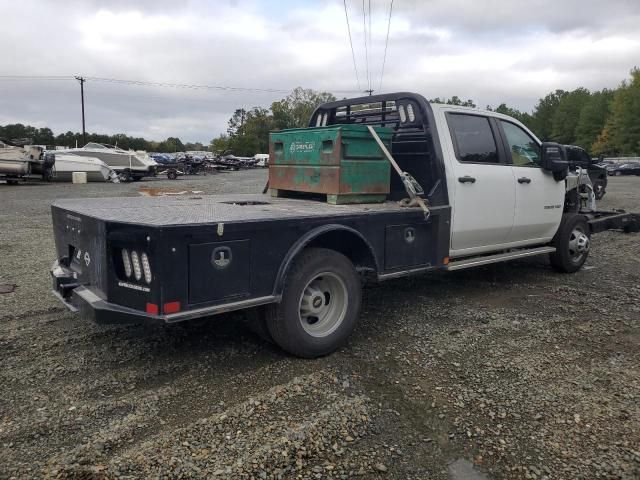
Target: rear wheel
124,176
320,304
599,189
172,175
572,242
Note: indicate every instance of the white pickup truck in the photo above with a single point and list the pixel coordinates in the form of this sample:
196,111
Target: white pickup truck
482,189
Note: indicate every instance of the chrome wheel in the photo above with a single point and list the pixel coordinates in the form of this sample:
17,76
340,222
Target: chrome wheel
323,304
599,191
578,244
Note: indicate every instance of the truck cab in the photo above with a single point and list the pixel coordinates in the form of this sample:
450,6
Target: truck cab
500,195
485,165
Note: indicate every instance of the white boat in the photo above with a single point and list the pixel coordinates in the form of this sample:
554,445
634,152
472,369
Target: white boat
22,162
96,169
129,165
13,160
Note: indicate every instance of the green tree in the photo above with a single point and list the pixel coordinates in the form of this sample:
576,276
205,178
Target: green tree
592,119
170,145
295,110
17,131
220,145
621,133
565,117
251,135
544,112
197,146
43,136
522,117
248,130
236,122
455,100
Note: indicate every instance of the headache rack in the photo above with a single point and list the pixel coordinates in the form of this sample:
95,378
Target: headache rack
413,146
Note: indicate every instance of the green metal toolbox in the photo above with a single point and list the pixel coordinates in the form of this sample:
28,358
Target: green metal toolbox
342,161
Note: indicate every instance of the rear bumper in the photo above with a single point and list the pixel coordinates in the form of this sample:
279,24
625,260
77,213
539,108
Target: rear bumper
91,306
82,299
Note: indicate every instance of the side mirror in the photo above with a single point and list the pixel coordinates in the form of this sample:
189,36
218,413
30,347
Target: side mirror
554,159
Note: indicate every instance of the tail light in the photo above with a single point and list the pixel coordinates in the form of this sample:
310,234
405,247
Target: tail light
146,268
137,271
137,264
126,262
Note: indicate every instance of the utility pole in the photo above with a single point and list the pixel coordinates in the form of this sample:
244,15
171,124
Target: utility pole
84,132
369,92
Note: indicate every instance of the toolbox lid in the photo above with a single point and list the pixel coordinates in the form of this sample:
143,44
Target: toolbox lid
327,145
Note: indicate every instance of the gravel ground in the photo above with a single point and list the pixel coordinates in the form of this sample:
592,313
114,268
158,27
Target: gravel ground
506,371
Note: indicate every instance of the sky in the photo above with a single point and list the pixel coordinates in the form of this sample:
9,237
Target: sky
512,51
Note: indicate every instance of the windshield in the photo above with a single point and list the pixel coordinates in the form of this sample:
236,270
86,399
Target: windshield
95,146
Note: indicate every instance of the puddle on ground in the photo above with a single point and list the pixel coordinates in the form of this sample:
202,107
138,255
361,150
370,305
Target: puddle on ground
463,469
7,287
163,192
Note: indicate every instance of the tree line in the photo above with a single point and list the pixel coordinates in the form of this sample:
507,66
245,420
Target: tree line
45,136
248,130
603,122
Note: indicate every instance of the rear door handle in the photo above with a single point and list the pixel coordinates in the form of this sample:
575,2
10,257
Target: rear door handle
524,180
466,179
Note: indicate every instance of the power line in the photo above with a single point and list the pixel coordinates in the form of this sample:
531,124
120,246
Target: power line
366,48
186,86
370,46
157,84
200,87
353,55
386,43
36,77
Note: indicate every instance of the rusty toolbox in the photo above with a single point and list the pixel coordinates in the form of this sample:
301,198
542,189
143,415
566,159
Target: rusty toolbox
342,161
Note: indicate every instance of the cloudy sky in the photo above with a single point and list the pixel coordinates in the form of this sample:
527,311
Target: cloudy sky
492,51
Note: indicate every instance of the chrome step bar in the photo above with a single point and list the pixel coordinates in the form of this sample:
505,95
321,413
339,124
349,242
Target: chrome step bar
500,257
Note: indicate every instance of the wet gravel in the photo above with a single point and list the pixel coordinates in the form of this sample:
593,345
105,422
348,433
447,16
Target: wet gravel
509,370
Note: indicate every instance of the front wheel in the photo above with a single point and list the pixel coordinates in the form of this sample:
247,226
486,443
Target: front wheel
572,241
320,304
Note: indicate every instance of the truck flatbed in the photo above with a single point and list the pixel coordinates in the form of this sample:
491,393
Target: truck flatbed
206,209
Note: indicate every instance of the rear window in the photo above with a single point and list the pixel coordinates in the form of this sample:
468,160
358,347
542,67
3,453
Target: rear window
473,138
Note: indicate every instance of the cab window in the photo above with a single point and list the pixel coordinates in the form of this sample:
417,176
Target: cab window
525,152
473,138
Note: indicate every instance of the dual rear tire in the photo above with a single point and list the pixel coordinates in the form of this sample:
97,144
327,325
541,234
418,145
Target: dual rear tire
320,305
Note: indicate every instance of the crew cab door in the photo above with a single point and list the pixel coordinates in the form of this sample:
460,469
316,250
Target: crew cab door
539,197
480,184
